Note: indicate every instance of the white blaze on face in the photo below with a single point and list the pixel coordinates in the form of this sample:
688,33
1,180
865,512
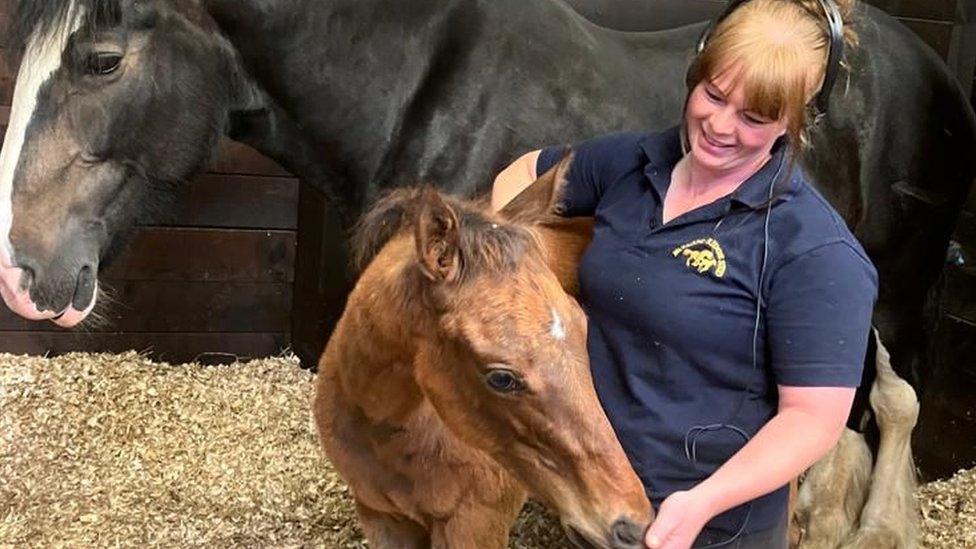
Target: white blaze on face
557,330
42,57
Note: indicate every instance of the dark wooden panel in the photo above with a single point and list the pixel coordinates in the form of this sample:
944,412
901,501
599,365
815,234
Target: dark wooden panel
9,62
217,200
937,34
632,15
945,435
238,158
965,233
959,293
944,10
152,306
322,276
206,255
6,90
4,116
176,348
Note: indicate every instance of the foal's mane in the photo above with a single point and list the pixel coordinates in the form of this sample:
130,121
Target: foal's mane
47,15
486,243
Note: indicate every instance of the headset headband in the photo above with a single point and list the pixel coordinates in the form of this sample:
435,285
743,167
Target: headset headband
835,51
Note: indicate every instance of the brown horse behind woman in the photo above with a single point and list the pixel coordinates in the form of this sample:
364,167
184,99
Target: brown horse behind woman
457,381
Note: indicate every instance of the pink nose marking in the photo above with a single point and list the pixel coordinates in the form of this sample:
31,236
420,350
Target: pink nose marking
19,300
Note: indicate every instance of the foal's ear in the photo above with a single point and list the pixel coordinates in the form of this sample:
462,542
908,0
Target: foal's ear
539,201
437,234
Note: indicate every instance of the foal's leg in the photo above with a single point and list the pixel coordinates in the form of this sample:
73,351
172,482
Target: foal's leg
385,531
832,494
890,515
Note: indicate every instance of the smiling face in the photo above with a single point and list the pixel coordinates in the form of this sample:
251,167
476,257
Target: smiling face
724,134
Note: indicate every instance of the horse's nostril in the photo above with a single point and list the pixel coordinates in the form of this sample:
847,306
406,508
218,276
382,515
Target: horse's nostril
84,289
28,275
626,534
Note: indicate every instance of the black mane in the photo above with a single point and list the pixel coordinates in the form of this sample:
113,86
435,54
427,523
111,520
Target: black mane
46,15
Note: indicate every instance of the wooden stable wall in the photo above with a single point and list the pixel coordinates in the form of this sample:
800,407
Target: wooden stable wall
213,283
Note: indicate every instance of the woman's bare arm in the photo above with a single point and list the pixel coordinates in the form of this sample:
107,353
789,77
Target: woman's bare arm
514,179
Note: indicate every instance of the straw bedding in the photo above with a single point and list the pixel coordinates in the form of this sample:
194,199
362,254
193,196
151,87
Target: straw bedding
118,451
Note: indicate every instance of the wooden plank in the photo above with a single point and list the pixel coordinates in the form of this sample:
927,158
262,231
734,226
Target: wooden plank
209,348
206,255
240,201
943,439
9,62
937,34
322,276
959,293
944,10
965,234
4,116
163,306
6,90
643,15
238,158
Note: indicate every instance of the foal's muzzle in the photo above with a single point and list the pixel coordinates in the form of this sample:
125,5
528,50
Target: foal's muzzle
624,534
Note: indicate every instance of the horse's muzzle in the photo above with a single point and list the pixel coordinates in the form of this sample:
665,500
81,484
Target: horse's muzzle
15,282
624,534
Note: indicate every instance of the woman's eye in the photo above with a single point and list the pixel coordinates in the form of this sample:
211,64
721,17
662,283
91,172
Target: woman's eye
713,96
754,119
102,63
504,381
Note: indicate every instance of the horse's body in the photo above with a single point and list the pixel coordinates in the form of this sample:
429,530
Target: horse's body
438,450
358,96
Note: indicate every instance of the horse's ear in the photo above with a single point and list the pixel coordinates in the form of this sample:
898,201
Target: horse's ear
540,200
437,235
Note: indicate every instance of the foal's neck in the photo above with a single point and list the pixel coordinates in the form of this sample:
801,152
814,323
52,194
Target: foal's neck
373,348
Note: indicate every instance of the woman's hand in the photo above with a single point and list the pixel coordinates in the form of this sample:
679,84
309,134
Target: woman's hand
679,521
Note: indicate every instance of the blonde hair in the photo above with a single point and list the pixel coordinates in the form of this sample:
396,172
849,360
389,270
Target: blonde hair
779,50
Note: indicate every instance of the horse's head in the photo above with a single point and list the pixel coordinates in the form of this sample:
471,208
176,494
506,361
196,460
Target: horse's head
115,101
508,370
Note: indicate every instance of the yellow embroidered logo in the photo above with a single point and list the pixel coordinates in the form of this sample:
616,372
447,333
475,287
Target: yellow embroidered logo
703,254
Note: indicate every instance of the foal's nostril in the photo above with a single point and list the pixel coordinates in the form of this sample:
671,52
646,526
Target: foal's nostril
626,534
84,289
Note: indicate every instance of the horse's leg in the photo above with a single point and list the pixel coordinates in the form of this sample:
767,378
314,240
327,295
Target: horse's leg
832,494
890,518
385,531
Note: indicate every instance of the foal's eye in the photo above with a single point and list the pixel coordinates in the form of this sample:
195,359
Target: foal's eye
102,63
504,381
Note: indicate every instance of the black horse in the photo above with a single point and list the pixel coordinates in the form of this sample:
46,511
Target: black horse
118,101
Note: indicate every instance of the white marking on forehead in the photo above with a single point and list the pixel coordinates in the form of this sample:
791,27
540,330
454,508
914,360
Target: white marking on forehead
42,57
557,330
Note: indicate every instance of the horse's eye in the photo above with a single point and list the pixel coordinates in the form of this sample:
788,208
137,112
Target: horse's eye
504,381
102,63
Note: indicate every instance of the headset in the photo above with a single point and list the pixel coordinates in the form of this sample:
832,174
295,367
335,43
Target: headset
835,48
835,53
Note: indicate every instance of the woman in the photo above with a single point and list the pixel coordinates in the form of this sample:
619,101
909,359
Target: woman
729,306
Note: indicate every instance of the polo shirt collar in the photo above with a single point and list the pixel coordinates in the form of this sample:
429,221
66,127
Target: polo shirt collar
663,151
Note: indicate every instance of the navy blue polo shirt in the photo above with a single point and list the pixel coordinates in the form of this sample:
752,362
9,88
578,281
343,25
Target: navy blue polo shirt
671,307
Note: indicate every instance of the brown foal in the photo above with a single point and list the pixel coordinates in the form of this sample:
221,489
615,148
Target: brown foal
457,381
